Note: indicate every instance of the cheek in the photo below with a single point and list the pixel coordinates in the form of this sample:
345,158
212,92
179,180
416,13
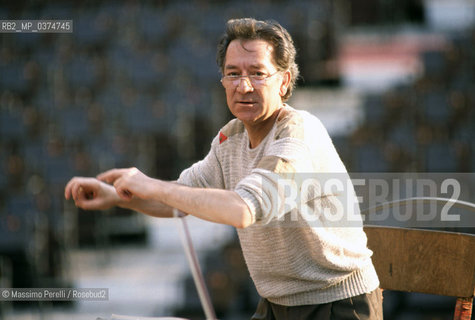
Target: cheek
270,94
229,96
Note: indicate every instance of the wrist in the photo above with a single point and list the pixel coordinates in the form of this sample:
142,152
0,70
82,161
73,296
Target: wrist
111,197
155,191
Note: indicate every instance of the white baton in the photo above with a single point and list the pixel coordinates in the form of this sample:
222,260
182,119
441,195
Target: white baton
195,266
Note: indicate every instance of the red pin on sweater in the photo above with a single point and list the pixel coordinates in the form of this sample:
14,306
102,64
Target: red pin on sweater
222,137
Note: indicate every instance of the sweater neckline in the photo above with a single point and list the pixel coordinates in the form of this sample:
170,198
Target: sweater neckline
260,146
264,141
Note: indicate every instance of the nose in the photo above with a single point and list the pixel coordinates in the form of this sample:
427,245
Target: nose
245,85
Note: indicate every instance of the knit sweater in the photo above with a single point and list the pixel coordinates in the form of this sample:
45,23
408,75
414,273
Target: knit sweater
294,258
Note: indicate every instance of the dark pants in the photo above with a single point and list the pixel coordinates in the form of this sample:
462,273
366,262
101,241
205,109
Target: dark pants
367,306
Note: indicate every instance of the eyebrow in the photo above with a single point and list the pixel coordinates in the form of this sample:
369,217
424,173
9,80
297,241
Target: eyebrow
252,66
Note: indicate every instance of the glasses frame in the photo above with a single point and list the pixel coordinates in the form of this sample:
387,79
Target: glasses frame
233,81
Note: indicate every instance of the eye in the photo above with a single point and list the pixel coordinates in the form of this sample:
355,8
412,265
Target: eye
232,74
258,75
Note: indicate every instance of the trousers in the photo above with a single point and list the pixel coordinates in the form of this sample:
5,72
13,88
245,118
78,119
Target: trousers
367,306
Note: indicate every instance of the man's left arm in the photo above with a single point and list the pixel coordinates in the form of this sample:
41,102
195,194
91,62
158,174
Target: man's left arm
215,205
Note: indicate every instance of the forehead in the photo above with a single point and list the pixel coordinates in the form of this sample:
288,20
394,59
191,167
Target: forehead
246,53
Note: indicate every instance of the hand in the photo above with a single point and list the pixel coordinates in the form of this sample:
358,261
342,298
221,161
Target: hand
91,194
129,183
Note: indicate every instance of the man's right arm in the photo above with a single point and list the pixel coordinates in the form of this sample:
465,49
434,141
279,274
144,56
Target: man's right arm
92,194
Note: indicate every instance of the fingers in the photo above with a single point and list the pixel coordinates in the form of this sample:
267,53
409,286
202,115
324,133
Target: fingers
118,178
110,176
92,194
121,188
67,190
124,194
72,188
87,191
87,203
80,188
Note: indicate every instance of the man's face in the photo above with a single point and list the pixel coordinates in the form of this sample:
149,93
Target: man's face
253,104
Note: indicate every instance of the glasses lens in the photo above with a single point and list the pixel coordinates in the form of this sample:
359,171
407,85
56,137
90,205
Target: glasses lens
255,81
232,82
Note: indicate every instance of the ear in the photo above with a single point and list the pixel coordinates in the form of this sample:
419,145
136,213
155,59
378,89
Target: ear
284,86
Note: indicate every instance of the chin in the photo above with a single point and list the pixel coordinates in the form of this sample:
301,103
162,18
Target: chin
246,116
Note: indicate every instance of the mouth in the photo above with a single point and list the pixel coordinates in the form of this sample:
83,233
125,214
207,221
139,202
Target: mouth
246,103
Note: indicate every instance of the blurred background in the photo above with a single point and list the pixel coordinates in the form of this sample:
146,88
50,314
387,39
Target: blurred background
136,84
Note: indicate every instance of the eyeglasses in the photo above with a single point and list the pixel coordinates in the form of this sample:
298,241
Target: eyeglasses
255,80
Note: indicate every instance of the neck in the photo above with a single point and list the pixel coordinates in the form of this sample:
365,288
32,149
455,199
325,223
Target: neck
258,131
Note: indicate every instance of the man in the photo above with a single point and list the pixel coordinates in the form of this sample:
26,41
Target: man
306,271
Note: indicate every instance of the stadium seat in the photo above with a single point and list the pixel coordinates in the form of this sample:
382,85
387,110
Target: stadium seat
440,157
434,64
74,124
370,158
13,78
11,126
435,108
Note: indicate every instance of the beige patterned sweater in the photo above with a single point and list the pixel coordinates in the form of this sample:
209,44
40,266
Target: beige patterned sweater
310,249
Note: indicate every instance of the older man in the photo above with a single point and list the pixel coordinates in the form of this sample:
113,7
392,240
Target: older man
308,271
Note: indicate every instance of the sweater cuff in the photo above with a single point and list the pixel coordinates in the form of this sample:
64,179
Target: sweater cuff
251,202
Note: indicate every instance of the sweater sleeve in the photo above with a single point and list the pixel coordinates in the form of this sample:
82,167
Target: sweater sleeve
274,187
285,178
206,173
